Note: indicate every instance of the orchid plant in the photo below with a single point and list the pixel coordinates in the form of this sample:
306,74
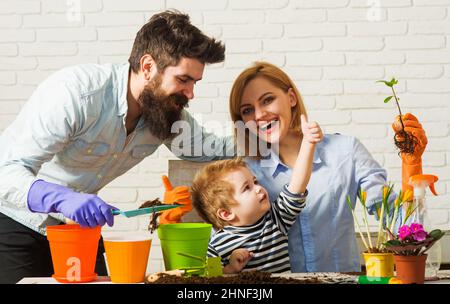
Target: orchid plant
387,216
412,240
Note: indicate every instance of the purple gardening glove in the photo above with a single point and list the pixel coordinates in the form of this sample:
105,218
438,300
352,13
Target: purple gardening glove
85,209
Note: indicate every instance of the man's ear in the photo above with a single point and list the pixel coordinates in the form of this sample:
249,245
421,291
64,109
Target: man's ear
225,215
148,67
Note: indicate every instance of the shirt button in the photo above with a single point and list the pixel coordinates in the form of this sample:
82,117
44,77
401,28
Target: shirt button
99,176
115,156
89,151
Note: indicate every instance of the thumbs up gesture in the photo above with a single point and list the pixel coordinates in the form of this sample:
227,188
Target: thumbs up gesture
312,132
178,195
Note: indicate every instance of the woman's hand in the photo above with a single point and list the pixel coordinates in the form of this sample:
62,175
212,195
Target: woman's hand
238,259
411,162
312,132
413,127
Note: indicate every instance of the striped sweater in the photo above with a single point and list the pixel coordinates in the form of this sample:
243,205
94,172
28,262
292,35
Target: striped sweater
267,238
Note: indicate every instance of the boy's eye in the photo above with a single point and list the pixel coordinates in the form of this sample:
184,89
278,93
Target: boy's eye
256,182
182,80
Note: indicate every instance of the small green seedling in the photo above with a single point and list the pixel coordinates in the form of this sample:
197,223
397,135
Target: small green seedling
404,141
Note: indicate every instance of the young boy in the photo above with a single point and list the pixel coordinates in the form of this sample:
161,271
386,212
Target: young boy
251,232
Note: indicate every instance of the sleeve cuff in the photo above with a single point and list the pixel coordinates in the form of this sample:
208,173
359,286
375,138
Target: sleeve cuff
295,195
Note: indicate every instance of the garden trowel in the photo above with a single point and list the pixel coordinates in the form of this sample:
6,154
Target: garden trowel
141,211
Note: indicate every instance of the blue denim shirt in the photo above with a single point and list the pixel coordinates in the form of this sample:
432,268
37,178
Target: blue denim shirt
72,132
323,237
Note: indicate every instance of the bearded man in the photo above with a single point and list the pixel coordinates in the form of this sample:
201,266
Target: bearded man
88,124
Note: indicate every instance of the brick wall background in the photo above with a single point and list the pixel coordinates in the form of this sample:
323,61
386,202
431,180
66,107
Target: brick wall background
335,50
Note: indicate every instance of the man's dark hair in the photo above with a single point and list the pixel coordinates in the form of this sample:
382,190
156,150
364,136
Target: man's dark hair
169,36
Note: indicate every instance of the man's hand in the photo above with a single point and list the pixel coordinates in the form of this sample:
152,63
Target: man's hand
178,195
88,210
238,259
411,162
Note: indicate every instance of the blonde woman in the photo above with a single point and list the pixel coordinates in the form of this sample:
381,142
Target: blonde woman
323,237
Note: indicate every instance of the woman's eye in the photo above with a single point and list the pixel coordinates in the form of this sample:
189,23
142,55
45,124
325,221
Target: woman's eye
246,111
268,99
182,80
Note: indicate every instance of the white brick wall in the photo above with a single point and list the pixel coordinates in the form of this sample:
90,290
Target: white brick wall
334,49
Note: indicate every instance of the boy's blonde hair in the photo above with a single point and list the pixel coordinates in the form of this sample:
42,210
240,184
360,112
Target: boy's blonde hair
210,192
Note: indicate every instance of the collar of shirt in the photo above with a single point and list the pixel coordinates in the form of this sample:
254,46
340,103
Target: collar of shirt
122,102
275,164
123,74
247,230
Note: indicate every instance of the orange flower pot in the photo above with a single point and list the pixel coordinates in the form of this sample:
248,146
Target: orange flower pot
410,268
74,252
127,256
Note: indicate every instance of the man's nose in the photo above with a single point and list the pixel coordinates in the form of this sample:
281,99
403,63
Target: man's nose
189,91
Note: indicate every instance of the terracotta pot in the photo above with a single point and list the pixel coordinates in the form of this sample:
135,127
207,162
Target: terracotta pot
379,264
410,268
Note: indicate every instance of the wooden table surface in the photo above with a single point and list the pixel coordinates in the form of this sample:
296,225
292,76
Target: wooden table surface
444,278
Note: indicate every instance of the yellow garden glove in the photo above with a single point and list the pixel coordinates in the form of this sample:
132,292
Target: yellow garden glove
178,195
411,162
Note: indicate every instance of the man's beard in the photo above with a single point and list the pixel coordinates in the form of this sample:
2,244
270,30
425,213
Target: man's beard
160,110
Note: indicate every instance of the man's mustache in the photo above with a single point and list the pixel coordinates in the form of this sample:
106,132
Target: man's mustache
180,100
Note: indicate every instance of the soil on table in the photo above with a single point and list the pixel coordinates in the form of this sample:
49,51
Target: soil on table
153,224
247,277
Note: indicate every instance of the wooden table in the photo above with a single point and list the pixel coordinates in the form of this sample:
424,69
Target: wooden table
444,278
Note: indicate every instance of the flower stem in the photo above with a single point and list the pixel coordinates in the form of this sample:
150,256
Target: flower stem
367,228
394,218
359,230
380,225
398,106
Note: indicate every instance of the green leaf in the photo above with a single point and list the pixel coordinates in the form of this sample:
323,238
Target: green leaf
349,203
385,82
436,234
386,100
393,243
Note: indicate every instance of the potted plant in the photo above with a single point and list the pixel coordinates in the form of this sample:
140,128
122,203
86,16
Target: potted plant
380,262
409,247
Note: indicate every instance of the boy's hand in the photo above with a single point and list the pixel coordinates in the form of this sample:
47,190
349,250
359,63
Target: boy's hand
312,132
238,259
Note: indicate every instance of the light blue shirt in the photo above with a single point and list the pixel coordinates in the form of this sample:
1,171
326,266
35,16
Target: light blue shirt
72,132
323,237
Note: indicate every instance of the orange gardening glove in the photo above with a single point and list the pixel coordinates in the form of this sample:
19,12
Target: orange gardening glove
411,163
178,195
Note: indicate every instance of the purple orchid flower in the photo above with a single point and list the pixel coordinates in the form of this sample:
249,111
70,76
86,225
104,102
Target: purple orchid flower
404,232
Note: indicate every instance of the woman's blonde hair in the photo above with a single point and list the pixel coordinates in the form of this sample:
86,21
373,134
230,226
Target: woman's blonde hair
278,78
210,192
